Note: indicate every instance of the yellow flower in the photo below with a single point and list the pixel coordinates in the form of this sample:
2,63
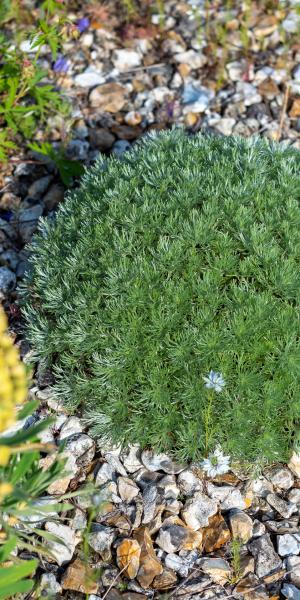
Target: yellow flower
5,489
4,455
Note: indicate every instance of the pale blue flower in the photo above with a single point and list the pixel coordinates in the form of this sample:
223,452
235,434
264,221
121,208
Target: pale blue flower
214,381
216,463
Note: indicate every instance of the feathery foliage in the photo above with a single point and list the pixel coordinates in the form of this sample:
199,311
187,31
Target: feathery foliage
181,258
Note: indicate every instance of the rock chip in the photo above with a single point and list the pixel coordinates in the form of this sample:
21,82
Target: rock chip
126,59
178,564
150,566
54,196
294,496
287,545
241,526
105,473
216,535
217,568
188,483
28,220
131,460
109,97
128,557
50,584
128,490
39,187
82,446
63,551
285,509
149,502
71,426
293,566
197,510
7,280
172,537
228,496
166,580
281,478
79,577
294,464
101,138
89,78
290,591
194,59
266,559
101,539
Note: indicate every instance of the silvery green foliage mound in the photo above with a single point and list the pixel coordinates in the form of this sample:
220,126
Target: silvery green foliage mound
180,259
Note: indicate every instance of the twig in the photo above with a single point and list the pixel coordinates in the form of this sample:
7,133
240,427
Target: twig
283,112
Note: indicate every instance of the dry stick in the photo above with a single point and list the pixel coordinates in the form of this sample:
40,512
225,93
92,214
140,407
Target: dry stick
283,112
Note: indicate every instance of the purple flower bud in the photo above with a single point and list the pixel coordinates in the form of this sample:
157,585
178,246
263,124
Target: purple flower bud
83,24
61,65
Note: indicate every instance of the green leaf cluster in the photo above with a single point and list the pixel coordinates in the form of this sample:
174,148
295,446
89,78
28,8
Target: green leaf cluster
181,258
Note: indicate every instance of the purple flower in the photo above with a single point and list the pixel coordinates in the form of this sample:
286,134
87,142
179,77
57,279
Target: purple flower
61,65
83,24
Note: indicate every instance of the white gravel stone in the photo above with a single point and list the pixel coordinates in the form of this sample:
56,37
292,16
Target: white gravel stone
236,70
225,125
89,78
131,460
294,496
128,490
105,473
82,447
290,591
281,478
177,564
126,59
101,540
217,568
291,22
285,509
70,427
292,564
197,511
241,525
266,559
294,464
287,545
50,584
159,462
189,483
62,552
194,59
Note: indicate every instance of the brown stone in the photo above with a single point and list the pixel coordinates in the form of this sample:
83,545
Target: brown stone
126,132
266,26
79,578
193,540
128,557
101,139
268,88
117,519
216,535
268,579
164,581
54,196
184,70
150,566
294,113
109,97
